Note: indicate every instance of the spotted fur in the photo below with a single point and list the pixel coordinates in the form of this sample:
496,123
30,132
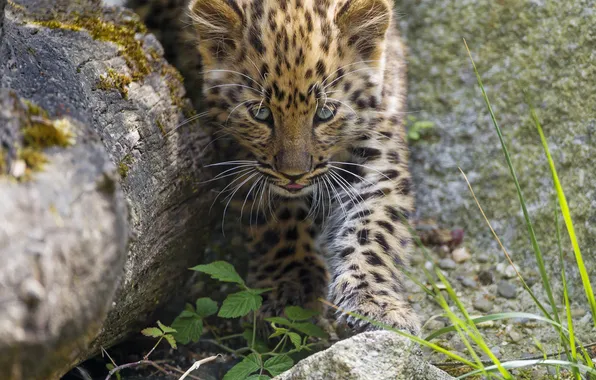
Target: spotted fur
324,199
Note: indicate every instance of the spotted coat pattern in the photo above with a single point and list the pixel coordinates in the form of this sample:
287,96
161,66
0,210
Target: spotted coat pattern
312,93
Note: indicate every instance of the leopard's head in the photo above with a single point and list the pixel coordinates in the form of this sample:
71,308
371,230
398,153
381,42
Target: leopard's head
294,81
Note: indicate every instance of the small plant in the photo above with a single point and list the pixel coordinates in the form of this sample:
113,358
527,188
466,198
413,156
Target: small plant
417,129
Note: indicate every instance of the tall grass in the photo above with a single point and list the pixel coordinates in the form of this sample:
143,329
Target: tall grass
579,362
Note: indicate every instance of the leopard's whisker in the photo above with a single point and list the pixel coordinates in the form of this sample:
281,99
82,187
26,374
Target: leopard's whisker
236,170
348,65
231,196
234,85
234,109
350,72
258,191
228,186
353,174
363,166
233,162
235,72
255,183
342,103
338,197
348,192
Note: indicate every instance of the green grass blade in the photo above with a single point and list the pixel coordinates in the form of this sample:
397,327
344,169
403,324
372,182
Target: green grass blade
571,334
497,317
517,364
567,218
529,225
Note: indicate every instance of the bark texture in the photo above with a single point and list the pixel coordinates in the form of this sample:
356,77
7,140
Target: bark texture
79,268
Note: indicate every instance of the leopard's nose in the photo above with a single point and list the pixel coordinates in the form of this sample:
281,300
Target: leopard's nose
293,164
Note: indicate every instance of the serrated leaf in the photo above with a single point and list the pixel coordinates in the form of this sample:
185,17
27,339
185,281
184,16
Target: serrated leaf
188,329
165,329
187,314
278,364
258,377
309,329
242,370
240,304
171,340
153,332
295,339
278,331
260,291
296,313
206,307
220,270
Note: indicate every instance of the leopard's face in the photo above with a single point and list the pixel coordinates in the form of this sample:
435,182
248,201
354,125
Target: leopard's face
292,81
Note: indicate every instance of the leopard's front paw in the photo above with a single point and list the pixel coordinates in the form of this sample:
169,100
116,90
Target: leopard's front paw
378,313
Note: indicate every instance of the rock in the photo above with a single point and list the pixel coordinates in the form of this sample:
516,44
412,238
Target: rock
506,289
461,255
447,264
486,277
63,225
507,42
515,336
376,355
434,324
482,304
482,258
468,282
506,270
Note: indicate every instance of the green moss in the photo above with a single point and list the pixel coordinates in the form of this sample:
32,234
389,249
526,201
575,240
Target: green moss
121,33
123,166
161,127
115,80
3,166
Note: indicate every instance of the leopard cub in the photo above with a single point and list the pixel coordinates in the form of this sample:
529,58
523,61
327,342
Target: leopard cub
312,96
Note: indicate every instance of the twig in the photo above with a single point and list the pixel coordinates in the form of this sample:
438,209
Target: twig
197,364
172,368
488,362
136,364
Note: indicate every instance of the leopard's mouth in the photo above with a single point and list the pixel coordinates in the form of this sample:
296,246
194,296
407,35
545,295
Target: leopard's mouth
292,189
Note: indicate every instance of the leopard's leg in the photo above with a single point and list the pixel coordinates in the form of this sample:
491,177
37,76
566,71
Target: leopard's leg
285,258
369,243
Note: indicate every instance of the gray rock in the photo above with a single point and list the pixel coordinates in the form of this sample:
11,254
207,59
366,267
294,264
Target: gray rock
447,264
125,102
482,304
468,282
506,289
376,355
482,258
508,45
486,277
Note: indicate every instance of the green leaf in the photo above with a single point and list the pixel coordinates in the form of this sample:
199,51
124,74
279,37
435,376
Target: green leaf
278,364
171,340
240,371
220,270
278,331
296,340
188,328
153,332
165,329
260,291
309,329
279,321
206,307
296,313
240,304
189,307
258,377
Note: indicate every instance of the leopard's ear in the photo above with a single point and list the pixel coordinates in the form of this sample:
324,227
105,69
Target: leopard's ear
218,24
364,23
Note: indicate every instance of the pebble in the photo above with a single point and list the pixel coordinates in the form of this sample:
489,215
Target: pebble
482,304
434,324
468,282
506,289
506,270
461,254
486,277
416,259
447,264
515,336
577,312
482,258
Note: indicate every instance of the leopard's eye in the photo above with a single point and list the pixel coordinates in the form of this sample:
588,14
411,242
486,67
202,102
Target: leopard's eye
325,114
260,113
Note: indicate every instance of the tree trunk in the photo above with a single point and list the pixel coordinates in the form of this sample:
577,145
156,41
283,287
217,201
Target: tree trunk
69,282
